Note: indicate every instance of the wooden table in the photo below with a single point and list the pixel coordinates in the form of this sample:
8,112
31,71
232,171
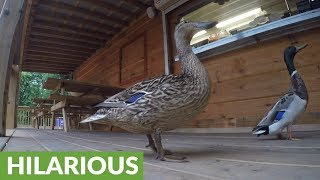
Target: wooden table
81,96
41,110
82,88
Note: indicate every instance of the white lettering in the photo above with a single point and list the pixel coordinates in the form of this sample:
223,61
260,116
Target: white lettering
90,165
20,165
29,165
71,163
121,166
54,165
83,165
37,167
132,165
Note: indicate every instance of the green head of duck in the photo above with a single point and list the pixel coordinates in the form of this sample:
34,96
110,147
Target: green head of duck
289,54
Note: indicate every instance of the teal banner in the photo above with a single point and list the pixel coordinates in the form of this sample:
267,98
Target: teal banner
68,165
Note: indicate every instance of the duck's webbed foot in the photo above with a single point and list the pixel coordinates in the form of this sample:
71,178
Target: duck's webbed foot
153,146
161,152
289,131
280,136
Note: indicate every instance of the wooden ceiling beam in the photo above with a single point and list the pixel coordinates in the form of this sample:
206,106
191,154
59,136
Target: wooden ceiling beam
63,42
53,54
47,71
137,4
47,68
66,37
69,35
46,25
59,50
52,71
86,13
59,59
51,64
73,20
76,22
71,25
55,44
123,12
50,60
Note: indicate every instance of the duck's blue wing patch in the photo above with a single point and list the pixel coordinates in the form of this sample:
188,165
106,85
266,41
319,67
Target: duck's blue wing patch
279,115
135,97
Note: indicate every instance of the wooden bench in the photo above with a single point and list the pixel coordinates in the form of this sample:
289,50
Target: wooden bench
74,96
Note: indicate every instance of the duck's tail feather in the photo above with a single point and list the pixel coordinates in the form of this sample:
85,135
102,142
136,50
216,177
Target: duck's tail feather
95,117
101,114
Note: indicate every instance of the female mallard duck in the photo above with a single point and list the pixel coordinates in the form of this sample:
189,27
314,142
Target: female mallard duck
163,103
290,106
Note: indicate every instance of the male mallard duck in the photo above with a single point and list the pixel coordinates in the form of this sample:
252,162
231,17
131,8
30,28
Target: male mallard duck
163,103
290,106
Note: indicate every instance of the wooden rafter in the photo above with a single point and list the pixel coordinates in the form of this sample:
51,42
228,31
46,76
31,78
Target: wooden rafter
51,58
137,4
57,49
46,25
25,29
46,67
47,61
64,42
48,70
57,66
80,37
116,9
62,34
49,64
47,43
45,71
86,13
54,54
71,25
67,38
75,21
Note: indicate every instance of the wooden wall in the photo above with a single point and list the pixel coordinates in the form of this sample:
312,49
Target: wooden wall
247,82
138,51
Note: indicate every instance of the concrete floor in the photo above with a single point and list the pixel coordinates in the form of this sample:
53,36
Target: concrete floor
210,156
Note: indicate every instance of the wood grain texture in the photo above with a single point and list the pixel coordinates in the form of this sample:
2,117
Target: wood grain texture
104,66
247,82
8,23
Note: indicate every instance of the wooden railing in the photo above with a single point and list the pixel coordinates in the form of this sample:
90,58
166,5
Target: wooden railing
24,116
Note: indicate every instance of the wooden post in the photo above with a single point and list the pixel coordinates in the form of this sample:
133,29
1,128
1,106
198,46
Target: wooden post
90,127
53,122
12,100
33,124
64,114
65,121
167,65
53,117
38,122
78,127
69,122
44,120
9,18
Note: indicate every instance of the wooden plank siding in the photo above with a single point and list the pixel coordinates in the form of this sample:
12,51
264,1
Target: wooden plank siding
104,66
247,82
